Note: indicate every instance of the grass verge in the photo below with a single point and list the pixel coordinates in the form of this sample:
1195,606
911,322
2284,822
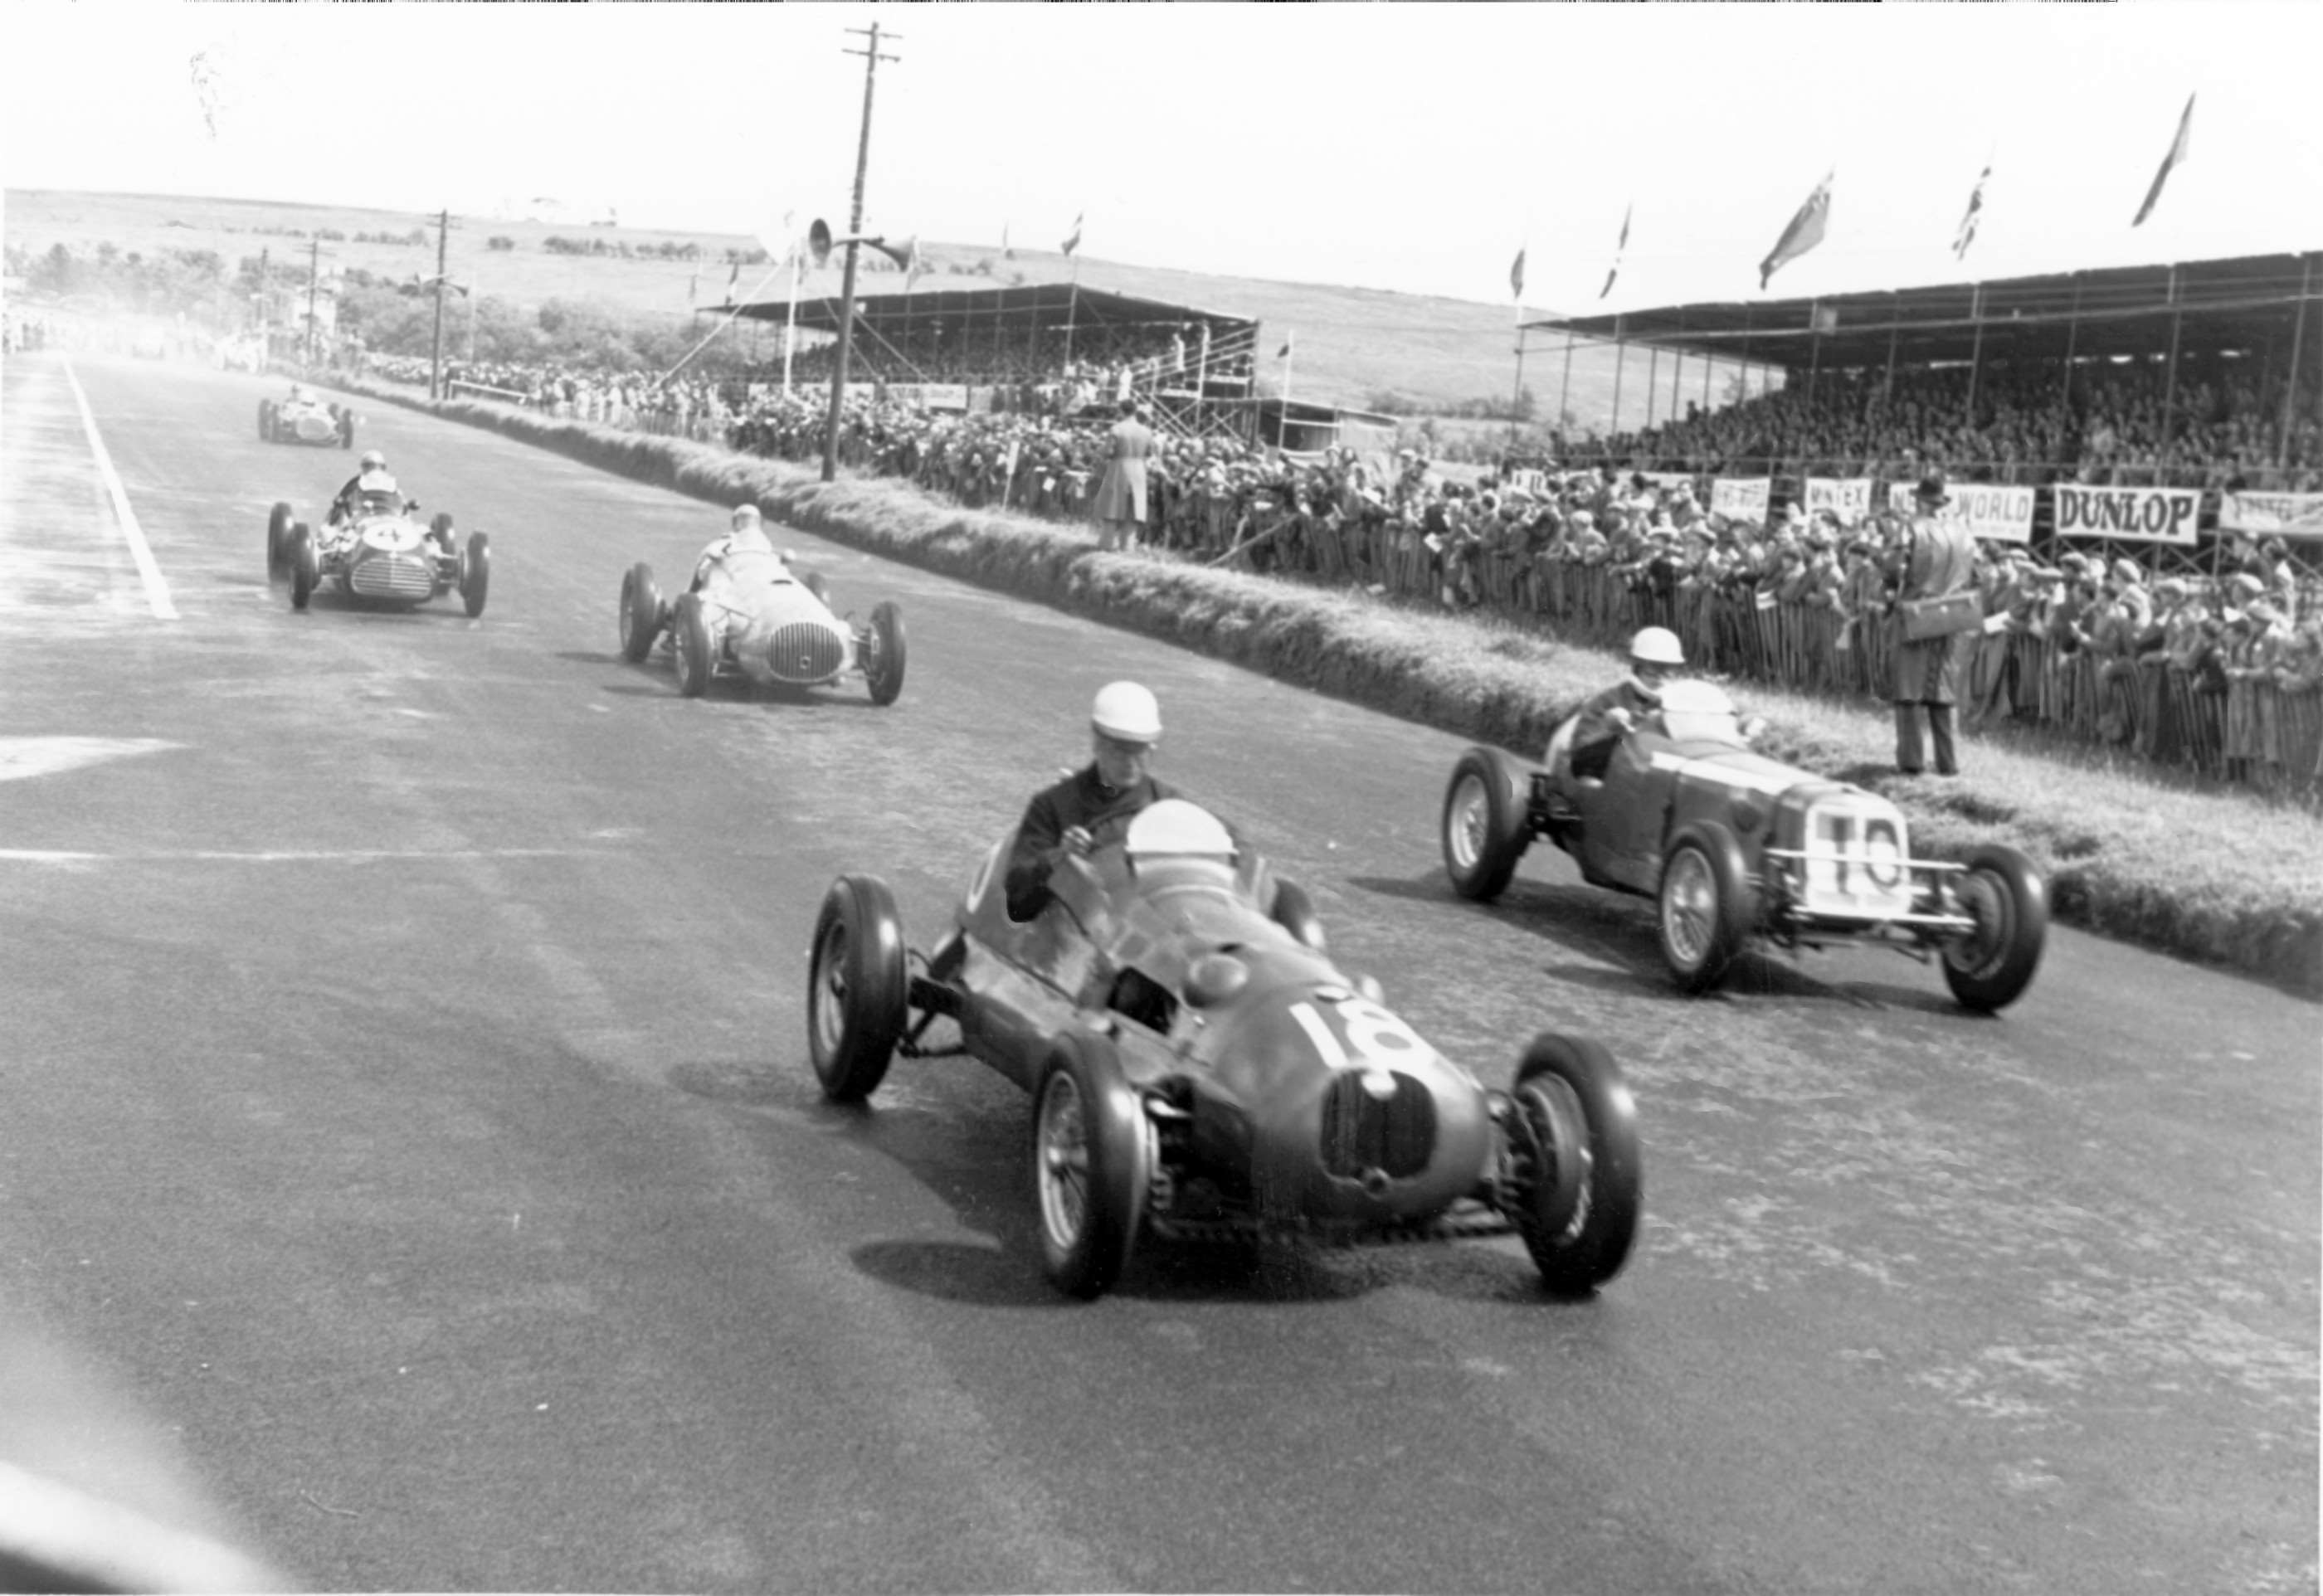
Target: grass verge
2223,877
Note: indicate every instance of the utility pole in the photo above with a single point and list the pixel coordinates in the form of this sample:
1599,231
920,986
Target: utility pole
871,59
436,366
314,279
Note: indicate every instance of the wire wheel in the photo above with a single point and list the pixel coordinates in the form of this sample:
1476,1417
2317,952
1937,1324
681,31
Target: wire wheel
1689,907
1064,1167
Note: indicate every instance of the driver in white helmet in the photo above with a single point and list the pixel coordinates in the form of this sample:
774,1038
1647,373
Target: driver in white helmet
1655,658
370,478
1061,823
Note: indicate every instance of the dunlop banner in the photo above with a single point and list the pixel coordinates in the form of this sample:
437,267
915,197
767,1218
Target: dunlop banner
2146,515
1992,509
2286,515
1668,481
1849,498
1742,498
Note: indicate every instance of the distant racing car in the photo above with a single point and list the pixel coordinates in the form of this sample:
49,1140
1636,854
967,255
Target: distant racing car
381,553
1735,846
1200,1069
757,618
302,418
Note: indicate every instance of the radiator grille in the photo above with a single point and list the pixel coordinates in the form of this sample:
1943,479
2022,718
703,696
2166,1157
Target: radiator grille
803,651
393,576
1396,1135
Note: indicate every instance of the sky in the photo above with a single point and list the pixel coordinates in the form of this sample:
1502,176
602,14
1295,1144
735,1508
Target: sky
1400,147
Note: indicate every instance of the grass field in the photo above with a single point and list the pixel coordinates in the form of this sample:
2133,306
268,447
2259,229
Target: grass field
1351,343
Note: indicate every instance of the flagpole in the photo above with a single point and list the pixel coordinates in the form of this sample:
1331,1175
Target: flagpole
790,324
1289,354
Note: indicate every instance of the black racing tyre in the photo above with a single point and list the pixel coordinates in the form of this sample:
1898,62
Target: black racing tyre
885,669
1990,968
640,618
346,426
1705,909
278,553
440,528
1485,827
695,660
1092,1159
306,565
1585,1184
475,570
265,421
1294,911
858,988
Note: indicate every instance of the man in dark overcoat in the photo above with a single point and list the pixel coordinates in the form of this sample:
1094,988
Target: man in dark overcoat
1121,492
1937,558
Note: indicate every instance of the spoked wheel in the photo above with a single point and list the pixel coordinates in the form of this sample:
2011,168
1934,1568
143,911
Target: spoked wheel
1989,967
885,669
278,552
857,990
640,619
1485,830
1584,1179
696,656
475,570
306,565
1705,910
1093,1152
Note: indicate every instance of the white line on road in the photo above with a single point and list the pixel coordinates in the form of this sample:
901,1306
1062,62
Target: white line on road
157,592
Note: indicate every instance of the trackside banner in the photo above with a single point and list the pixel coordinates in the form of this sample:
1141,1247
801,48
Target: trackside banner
2146,515
1741,497
2286,515
1849,498
1992,509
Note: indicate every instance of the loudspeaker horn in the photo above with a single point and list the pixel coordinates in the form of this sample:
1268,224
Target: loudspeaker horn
818,242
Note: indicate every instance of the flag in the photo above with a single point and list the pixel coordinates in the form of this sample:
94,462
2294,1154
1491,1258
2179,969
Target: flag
1285,353
2177,153
1804,231
1620,245
1970,218
1515,275
1074,241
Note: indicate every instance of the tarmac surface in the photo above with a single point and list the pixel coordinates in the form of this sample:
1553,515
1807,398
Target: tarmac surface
409,1129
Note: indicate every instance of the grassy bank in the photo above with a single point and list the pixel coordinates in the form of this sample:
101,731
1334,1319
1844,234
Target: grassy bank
2220,876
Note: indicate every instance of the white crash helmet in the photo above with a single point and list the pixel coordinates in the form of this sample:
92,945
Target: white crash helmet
373,460
1126,712
1657,645
749,530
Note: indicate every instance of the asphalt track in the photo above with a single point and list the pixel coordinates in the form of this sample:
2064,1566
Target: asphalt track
409,1123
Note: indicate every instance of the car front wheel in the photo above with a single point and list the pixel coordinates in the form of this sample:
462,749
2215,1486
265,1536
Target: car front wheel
1092,1165
1704,910
1584,1179
885,671
1988,968
305,564
475,569
1484,824
697,648
640,617
857,989
278,555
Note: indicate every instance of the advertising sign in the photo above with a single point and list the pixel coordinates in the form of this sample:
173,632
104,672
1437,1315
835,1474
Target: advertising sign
1849,498
1992,509
2285,515
1740,498
2145,515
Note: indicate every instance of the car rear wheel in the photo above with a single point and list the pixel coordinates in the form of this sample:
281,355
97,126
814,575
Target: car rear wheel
1092,1166
857,989
885,669
265,421
695,655
305,564
346,419
278,532
1485,830
475,569
1989,967
640,618
1704,910
1584,1178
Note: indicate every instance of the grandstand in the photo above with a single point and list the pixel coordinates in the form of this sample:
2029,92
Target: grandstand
1093,347
2098,394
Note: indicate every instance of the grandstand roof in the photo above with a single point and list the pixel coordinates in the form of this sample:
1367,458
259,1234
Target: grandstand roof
1036,302
2240,303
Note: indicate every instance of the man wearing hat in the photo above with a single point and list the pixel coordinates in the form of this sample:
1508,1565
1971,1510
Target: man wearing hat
1937,558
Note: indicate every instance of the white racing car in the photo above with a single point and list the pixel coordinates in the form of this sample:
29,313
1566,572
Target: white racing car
755,617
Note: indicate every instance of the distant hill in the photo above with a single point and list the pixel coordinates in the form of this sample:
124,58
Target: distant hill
1354,346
